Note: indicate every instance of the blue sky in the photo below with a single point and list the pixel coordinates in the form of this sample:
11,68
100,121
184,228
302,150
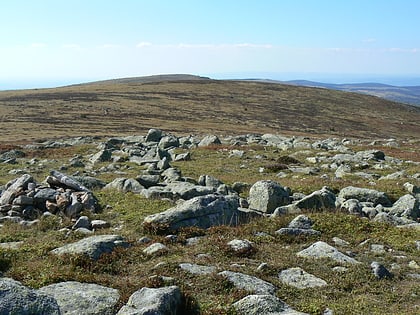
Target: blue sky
57,42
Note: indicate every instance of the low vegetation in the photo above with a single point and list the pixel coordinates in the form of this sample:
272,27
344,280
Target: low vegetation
355,292
121,108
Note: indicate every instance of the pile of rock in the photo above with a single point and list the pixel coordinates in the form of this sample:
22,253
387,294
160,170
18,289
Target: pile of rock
25,201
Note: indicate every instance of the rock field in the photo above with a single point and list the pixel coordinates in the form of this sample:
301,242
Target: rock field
202,203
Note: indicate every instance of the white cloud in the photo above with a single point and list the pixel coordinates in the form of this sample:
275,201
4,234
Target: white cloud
38,45
143,44
71,46
248,45
369,40
107,46
403,50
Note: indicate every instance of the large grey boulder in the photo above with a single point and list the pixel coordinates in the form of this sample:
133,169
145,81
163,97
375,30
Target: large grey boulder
93,246
202,212
153,301
101,156
267,195
249,283
125,185
15,298
154,135
167,142
83,298
263,304
407,206
300,225
186,190
299,278
323,250
320,199
13,187
364,195
209,140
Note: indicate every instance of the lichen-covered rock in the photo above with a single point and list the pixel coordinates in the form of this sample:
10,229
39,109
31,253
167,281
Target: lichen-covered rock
202,212
249,283
83,298
263,304
299,278
209,140
15,298
93,246
364,195
153,301
266,196
407,206
320,199
13,187
323,250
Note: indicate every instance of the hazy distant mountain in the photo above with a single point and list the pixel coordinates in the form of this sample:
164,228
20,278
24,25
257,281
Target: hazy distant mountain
403,94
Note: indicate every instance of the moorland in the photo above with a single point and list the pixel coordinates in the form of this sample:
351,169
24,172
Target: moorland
300,137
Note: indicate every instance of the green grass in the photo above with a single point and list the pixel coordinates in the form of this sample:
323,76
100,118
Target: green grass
354,292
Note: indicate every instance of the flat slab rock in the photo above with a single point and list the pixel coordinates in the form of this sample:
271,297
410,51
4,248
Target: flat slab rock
323,250
249,283
83,298
263,304
299,278
93,246
197,269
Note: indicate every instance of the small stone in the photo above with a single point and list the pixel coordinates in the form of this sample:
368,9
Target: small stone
156,249
262,267
82,222
241,246
380,271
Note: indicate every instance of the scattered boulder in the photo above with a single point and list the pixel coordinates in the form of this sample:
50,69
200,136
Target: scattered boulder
407,206
263,304
321,199
249,283
241,247
300,225
155,249
154,135
209,140
202,212
364,195
323,250
299,278
197,269
380,271
266,196
17,299
83,298
93,246
148,301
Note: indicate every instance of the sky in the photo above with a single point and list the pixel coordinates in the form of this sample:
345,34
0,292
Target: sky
57,42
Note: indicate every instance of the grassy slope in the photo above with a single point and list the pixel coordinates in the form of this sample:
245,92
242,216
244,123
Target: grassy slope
200,106
219,107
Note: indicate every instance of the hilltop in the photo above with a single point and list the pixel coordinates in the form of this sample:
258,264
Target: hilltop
188,104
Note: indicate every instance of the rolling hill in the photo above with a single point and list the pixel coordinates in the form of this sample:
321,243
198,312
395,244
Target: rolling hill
403,94
189,104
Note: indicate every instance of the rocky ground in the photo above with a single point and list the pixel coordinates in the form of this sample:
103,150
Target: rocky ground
252,224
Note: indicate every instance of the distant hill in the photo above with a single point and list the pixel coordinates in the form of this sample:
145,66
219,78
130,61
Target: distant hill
189,104
151,79
402,94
